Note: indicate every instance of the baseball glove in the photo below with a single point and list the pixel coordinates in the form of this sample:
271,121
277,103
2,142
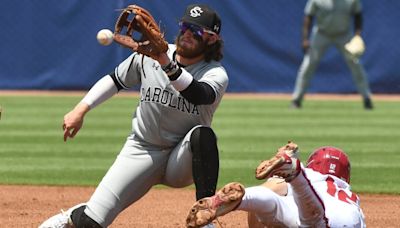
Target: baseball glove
151,41
355,46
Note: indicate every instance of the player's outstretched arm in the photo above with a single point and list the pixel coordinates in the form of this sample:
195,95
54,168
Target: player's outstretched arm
104,89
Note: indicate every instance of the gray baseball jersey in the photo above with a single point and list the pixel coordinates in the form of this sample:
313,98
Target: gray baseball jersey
163,116
158,151
333,17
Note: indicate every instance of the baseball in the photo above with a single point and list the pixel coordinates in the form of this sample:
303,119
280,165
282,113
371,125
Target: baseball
105,37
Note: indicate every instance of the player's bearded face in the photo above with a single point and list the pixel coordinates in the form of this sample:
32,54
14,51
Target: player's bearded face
190,46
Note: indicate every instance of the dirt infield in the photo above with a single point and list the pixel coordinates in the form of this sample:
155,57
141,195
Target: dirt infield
28,206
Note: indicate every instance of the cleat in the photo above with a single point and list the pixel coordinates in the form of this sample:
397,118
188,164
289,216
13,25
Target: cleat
61,220
284,164
296,104
205,210
368,104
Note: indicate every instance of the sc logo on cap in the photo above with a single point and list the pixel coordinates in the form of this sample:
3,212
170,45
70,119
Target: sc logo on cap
196,11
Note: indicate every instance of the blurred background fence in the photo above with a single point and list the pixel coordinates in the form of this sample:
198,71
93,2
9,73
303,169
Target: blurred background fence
51,44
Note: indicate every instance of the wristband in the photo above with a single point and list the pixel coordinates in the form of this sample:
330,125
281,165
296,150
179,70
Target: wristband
170,68
175,75
183,80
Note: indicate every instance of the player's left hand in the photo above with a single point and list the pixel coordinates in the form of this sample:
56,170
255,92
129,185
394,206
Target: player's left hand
151,41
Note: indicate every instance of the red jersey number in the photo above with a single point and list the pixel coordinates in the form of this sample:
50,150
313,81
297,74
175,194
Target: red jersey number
341,195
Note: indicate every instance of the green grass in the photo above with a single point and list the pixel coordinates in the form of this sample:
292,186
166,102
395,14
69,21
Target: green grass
32,150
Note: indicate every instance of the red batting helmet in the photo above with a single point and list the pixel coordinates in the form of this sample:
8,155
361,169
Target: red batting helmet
330,160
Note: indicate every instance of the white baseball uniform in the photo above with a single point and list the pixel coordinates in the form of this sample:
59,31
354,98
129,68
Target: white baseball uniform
313,200
332,27
158,149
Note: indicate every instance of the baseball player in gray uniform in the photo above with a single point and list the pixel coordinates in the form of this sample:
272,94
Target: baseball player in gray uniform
332,27
171,142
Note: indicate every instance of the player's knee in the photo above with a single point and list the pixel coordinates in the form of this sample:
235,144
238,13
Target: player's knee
81,220
203,139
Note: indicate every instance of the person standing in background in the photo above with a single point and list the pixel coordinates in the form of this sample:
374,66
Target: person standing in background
332,27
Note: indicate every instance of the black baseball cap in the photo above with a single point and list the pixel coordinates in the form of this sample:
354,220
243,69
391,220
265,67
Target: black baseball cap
202,15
